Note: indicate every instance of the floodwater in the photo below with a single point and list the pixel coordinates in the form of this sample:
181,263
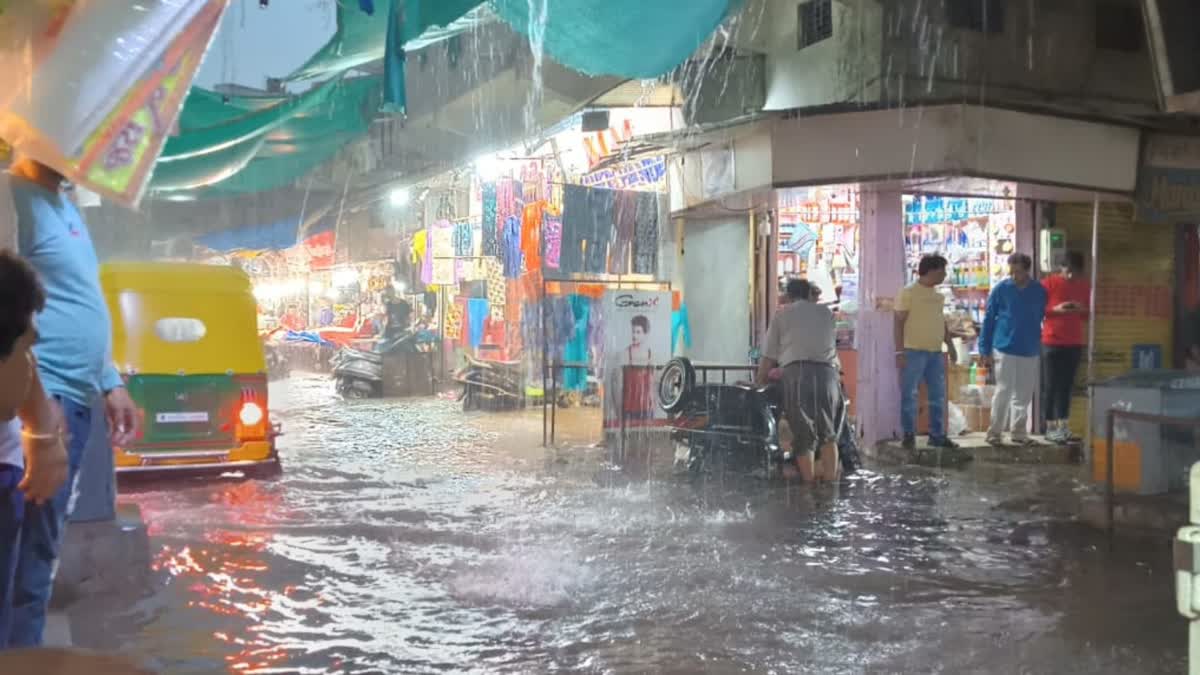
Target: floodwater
406,537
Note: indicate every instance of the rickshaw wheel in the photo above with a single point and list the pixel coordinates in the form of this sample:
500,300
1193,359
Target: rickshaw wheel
675,384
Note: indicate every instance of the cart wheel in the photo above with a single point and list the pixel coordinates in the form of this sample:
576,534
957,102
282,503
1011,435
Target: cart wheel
675,385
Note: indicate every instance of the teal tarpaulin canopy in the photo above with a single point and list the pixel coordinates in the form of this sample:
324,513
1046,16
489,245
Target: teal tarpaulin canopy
309,136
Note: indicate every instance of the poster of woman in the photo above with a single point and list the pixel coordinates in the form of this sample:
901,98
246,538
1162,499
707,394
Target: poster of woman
638,343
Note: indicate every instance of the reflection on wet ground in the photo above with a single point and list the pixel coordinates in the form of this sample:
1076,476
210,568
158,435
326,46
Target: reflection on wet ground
407,537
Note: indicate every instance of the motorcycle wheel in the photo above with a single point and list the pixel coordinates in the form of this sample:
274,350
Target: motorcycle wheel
676,384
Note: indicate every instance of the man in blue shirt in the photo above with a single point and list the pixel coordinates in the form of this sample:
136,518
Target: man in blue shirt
74,356
1010,342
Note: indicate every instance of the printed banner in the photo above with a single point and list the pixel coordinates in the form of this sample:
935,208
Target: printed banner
648,173
101,114
320,249
637,330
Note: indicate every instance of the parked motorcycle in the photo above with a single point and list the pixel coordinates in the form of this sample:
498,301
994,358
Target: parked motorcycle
491,385
359,374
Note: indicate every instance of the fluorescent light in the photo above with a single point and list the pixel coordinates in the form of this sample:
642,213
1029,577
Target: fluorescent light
399,197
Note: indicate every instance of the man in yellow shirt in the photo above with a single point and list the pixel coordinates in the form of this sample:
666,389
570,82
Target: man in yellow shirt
920,333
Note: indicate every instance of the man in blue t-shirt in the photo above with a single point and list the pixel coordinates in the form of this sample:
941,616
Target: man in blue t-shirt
74,358
1010,342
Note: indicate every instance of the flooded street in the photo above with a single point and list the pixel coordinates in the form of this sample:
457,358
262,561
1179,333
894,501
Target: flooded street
404,537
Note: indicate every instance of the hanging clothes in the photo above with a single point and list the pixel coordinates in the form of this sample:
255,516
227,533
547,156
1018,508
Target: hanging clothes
599,234
576,350
575,225
493,332
426,258
463,239
477,315
453,329
506,203
496,288
551,240
511,247
624,224
645,236
491,242
441,253
531,234
680,326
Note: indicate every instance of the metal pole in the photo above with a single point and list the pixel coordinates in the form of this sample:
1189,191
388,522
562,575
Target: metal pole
545,353
624,373
1109,499
553,402
1091,371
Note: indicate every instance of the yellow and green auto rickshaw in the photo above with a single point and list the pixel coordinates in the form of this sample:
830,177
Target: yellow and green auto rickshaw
185,339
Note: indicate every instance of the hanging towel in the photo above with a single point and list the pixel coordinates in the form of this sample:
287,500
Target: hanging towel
477,314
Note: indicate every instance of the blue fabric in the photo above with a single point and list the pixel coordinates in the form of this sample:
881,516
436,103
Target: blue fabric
477,312
274,236
625,38
74,347
12,517
680,325
510,252
491,245
1013,322
928,367
576,350
40,537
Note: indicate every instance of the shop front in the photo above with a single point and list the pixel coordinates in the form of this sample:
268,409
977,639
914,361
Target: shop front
838,215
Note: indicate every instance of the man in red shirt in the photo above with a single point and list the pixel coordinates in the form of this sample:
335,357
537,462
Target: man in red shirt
1063,340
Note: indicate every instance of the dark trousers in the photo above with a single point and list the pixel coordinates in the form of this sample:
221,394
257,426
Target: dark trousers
1059,366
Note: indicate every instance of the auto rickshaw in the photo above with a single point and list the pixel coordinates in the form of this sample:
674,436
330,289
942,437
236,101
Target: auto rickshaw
185,339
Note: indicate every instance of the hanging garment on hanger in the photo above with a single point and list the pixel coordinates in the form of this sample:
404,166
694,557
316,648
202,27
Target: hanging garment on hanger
680,327
575,224
454,320
531,234
551,240
477,314
576,350
645,237
491,243
599,235
511,247
497,290
624,225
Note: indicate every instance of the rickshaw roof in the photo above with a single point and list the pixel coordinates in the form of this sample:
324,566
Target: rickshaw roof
174,277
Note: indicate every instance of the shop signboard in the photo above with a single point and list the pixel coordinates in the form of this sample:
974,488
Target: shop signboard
637,329
925,210
1169,181
645,173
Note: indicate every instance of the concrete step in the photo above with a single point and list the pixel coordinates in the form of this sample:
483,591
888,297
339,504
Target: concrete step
975,448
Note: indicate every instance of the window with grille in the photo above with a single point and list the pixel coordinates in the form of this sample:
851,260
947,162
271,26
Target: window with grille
815,22
981,16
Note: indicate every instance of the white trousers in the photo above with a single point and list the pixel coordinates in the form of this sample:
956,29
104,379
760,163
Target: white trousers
1016,378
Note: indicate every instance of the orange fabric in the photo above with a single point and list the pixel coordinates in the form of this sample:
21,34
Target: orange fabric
676,300
531,235
594,291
